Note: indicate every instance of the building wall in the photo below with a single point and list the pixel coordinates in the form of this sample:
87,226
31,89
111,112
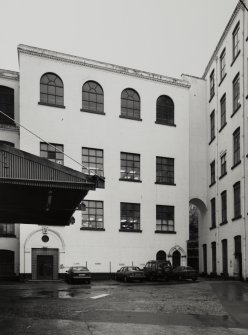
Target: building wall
109,249
223,142
11,134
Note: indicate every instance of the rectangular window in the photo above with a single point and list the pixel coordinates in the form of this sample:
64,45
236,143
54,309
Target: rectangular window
212,126
223,111
7,229
236,93
92,216
237,203
130,166
53,152
130,217
204,254
164,170
212,88
224,257
223,165
92,160
235,41
213,213
164,218
223,207
212,172
236,147
222,64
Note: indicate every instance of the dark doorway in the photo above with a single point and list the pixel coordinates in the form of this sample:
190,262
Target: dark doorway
213,246
238,256
205,261
176,258
224,257
44,267
161,256
7,261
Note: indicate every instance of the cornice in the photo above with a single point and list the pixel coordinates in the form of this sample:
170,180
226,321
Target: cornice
223,36
62,57
7,74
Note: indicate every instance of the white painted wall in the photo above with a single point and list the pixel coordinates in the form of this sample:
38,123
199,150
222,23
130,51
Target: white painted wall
76,129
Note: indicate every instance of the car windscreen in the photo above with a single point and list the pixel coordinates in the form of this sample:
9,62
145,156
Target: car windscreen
133,268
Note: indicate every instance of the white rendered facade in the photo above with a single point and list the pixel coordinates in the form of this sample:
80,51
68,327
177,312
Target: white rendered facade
104,251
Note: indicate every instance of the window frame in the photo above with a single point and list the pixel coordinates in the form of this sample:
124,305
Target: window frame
223,65
235,41
93,159
223,207
130,211
212,126
212,173
165,164
223,111
211,85
7,105
47,86
59,155
162,111
236,93
223,171
213,213
165,213
126,110
236,200
95,98
130,164
7,230
236,147
92,211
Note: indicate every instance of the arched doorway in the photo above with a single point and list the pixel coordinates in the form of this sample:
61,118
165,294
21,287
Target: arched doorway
176,258
7,262
161,256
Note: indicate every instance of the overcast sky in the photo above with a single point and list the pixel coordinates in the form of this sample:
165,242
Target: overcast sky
168,37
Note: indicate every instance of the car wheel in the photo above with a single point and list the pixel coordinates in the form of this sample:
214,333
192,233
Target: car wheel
194,279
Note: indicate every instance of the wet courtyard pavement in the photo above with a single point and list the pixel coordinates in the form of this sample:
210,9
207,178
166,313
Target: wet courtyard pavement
109,307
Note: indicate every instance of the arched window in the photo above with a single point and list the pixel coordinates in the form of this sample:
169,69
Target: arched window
51,90
7,105
92,98
165,110
130,104
161,256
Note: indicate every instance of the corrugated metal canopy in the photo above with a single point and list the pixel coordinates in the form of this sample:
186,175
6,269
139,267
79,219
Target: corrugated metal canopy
37,191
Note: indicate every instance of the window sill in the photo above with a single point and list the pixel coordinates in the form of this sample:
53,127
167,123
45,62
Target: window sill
50,105
161,183
211,228
223,223
234,59
211,140
130,180
164,232
130,230
236,164
223,127
212,184
223,175
130,118
91,112
211,98
93,229
165,123
237,218
222,79
236,110
8,235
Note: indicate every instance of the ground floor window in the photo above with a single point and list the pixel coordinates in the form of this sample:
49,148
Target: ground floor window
92,216
164,218
7,261
7,229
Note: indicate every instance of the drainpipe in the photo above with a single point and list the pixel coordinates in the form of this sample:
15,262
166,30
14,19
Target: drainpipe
244,150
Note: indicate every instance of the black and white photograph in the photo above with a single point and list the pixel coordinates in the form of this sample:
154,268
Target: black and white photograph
124,167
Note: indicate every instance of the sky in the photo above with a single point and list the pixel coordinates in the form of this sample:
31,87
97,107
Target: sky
168,37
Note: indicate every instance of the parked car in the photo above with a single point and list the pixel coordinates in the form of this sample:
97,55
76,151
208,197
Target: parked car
78,274
185,272
154,270
130,273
